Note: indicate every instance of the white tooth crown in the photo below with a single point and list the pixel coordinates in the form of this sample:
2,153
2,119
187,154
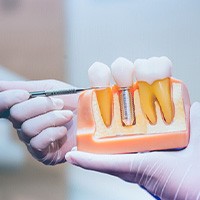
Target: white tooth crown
152,69
99,75
122,71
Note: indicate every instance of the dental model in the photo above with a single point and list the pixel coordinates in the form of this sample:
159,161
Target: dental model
100,76
157,107
122,71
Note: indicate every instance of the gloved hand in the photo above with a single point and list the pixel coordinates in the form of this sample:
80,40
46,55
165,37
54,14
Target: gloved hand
165,174
47,125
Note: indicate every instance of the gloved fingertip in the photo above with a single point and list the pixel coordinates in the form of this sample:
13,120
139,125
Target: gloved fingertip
21,95
58,103
68,114
195,110
74,149
195,105
69,158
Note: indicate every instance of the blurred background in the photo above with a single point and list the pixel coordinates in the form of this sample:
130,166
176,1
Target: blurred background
42,39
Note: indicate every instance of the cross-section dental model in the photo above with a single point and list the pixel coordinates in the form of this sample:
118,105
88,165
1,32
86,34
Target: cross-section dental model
160,109
122,71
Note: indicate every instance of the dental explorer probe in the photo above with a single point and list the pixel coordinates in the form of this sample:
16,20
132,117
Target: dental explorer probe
48,93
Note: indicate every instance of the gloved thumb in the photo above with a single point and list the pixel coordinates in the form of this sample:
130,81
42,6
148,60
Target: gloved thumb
194,124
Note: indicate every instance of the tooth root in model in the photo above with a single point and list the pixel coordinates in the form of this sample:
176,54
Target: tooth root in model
122,71
100,76
147,100
153,76
162,91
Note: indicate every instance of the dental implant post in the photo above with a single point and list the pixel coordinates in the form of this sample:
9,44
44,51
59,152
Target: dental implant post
126,107
122,71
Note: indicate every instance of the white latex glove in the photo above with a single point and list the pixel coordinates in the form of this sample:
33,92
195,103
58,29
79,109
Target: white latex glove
47,125
170,175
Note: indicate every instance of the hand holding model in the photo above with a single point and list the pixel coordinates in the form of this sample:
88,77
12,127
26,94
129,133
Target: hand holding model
166,174
45,124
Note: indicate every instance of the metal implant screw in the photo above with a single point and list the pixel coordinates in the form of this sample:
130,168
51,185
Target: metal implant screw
127,107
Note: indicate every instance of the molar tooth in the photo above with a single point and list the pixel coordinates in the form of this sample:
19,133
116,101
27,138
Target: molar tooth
100,76
153,76
152,69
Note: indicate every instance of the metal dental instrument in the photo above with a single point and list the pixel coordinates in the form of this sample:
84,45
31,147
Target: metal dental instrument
48,93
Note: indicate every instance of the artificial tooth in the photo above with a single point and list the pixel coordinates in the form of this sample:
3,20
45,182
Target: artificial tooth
100,76
122,71
153,76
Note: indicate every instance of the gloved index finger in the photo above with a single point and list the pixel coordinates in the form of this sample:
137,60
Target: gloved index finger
24,85
9,98
35,107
